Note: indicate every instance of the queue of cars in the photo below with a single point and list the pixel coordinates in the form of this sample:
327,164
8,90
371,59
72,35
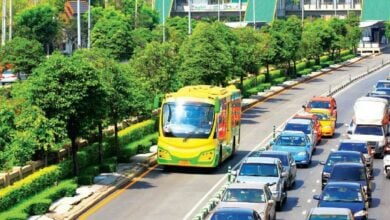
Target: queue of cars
347,172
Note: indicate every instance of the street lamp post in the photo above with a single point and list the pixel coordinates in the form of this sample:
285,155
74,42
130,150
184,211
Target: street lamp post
78,25
239,10
163,9
4,23
302,9
254,15
189,17
219,13
89,24
10,20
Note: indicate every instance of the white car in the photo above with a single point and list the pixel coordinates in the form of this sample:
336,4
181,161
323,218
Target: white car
8,77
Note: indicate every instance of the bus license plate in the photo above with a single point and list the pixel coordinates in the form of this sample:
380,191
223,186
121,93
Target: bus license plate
184,162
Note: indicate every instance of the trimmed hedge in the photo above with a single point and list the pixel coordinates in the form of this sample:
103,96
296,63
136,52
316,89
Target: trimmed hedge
28,186
40,203
301,66
310,63
275,74
324,59
251,82
278,80
316,67
347,57
345,53
140,146
136,132
305,71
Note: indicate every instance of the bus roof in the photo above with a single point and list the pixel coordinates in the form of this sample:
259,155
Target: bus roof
205,91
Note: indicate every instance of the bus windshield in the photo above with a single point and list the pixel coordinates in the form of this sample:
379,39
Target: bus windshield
187,119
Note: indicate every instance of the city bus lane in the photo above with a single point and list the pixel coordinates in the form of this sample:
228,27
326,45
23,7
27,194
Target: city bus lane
179,193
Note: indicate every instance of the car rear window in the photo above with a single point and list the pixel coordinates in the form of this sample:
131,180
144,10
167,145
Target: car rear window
348,174
360,147
258,169
282,158
244,195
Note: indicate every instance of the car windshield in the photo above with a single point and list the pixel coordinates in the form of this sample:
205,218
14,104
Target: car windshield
282,158
187,119
338,158
351,174
284,140
229,215
244,195
305,128
319,104
369,130
258,169
382,84
360,147
329,217
322,116
342,194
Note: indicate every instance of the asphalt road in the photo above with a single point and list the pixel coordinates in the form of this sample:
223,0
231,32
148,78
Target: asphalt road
180,193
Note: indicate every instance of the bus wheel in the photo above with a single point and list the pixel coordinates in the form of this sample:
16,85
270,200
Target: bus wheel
233,147
220,157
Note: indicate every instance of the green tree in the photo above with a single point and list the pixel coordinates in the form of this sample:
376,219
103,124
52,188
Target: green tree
69,94
23,54
39,23
312,45
248,53
266,49
205,57
113,32
340,30
387,30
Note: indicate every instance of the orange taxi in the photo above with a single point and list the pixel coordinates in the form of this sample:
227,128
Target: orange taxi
322,102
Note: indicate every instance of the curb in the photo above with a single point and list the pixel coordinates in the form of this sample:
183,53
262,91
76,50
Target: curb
139,167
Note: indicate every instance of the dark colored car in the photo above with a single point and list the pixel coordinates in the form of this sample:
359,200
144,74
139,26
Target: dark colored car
352,172
362,147
339,157
288,163
235,214
345,195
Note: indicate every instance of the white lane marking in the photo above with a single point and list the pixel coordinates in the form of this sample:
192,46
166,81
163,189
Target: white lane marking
314,190
317,181
254,149
309,201
304,212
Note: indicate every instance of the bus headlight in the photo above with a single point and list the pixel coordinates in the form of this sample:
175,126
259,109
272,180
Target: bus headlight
206,156
163,154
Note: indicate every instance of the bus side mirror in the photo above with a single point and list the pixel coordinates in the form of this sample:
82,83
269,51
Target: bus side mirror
217,106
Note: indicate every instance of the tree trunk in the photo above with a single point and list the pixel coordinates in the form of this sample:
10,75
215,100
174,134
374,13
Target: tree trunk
100,146
267,79
295,68
242,82
74,156
318,61
116,139
288,68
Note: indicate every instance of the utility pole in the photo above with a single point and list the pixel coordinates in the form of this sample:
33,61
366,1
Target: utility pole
219,12
189,17
163,13
10,20
335,8
78,25
4,23
254,15
89,24
136,13
239,2
303,8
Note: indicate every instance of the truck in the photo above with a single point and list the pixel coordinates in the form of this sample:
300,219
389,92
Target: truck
370,123
199,126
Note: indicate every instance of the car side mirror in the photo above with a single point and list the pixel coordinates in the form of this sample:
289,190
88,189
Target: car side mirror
271,202
316,197
293,164
349,132
322,162
284,174
233,172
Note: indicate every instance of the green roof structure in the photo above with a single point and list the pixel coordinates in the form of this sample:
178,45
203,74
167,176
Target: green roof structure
159,5
264,10
376,10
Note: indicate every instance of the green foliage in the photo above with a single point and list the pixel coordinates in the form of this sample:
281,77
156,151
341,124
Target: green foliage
253,91
324,59
40,202
275,74
347,57
136,132
387,30
306,71
37,23
108,167
278,80
28,186
65,168
316,67
345,52
140,146
300,66
206,56
85,179
113,32
23,54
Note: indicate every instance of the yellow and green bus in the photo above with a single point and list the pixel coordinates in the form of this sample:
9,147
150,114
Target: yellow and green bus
199,126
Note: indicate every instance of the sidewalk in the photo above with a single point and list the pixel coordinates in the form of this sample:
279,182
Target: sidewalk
106,184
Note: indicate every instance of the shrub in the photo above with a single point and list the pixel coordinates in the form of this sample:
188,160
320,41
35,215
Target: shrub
264,86
300,66
90,170
278,80
248,83
39,207
330,62
305,71
39,203
324,65
85,179
82,159
347,57
66,169
28,186
316,67
136,132
260,78
140,146
310,63
275,74
324,59
345,53
108,167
